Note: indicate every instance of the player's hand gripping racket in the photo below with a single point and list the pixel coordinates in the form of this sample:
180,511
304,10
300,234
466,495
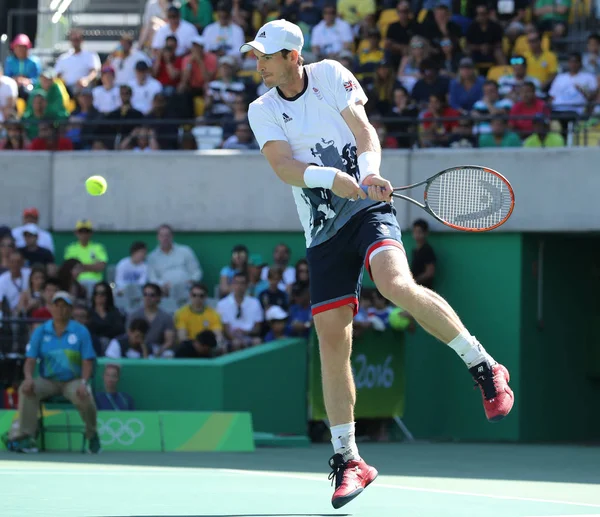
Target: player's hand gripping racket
469,198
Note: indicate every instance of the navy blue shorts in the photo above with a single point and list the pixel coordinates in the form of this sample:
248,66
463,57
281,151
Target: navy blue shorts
336,266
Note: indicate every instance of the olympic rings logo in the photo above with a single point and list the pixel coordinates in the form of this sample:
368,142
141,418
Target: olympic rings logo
124,433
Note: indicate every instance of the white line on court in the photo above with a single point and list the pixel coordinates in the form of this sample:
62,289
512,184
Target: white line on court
427,490
578,515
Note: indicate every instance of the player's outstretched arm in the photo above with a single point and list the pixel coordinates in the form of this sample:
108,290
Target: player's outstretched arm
300,174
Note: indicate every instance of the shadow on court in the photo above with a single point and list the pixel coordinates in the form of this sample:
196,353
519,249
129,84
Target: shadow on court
550,463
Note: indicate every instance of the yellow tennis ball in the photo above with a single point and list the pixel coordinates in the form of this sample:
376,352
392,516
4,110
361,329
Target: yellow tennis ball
96,185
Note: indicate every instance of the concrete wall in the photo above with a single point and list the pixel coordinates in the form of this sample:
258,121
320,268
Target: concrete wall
227,190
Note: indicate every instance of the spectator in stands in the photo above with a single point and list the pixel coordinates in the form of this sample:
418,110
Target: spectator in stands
378,314
54,92
511,85
571,91
21,66
542,136
198,12
243,139
195,317
438,25
369,52
31,298
522,112
500,135
32,252
81,129
242,315
399,33
221,92
273,295
277,320
552,16
105,319
183,31
130,345
467,88
106,96
541,64
32,118
132,270
450,58
238,264
431,83
51,287
591,58
484,40
111,399
160,337
123,60
410,65
9,91
172,263
203,346
81,314
161,114
238,116
67,277
423,260
223,37
168,66
300,315
32,216
78,68
199,68
7,246
490,105
141,139
124,117
256,284
435,132
380,90
66,367
281,259
331,35
462,136
406,112
302,278
50,139
92,255
16,139
144,88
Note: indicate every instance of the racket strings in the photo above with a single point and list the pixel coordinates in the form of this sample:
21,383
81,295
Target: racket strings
469,197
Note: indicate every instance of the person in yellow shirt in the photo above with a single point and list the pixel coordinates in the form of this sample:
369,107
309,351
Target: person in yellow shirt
541,64
92,255
354,11
196,317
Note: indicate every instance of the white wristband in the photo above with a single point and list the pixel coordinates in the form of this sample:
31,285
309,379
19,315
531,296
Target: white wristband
319,177
369,163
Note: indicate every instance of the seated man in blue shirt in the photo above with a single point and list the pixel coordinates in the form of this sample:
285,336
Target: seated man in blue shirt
112,399
66,357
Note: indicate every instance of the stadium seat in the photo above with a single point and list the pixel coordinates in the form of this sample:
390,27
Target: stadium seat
208,137
168,305
129,299
199,106
180,294
422,15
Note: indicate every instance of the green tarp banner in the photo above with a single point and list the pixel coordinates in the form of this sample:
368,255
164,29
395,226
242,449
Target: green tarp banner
378,366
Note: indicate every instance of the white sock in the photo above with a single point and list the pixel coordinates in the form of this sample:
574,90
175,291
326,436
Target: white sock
344,442
470,350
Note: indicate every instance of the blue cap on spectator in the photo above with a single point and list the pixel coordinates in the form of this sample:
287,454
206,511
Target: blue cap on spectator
64,296
142,66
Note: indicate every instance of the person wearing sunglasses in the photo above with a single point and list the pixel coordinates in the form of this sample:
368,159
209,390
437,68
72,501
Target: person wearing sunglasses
510,85
196,317
183,31
399,33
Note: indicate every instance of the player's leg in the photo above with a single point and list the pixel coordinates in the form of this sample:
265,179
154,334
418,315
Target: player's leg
335,273
386,262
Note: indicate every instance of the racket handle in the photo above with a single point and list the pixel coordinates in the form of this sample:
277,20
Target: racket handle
365,189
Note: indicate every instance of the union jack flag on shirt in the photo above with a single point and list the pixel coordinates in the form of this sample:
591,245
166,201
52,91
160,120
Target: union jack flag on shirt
349,85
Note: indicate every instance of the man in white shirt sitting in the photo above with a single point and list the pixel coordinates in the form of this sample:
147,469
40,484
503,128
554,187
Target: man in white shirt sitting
223,37
242,315
132,270
143,88
77,68
32,216
9,91
170,263
572,90
184,31
131,345
123,61
14,281
106,97
331,35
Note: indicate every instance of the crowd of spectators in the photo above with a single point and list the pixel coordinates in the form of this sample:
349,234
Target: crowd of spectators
484,74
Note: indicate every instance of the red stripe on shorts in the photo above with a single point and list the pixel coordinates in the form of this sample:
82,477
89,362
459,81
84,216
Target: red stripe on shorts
338,303
377,245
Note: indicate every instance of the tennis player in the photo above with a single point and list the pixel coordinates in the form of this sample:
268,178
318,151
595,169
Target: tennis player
312,128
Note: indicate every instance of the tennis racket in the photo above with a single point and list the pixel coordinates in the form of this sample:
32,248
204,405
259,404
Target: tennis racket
470,198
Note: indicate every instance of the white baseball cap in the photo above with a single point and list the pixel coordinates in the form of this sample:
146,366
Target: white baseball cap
276,313
275,36
198,40
31,228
